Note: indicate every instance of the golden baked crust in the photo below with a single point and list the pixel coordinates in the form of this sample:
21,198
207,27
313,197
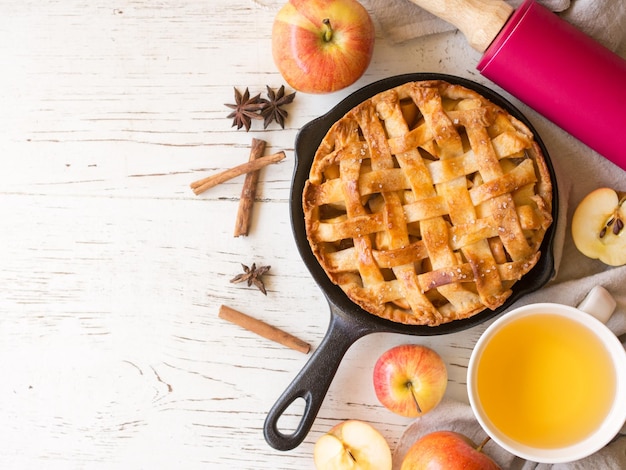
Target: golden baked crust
427,202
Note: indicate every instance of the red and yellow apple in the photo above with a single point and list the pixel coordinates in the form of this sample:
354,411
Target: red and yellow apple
353,445
410,379
321,46
598,226
447,450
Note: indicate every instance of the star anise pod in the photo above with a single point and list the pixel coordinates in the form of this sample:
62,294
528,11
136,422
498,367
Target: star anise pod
252,275
272,110
245,109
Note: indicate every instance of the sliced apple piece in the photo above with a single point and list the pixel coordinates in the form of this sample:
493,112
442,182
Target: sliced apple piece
598,226
352,445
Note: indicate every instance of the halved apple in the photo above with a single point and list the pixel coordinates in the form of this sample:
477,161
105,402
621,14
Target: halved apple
352,445
598,226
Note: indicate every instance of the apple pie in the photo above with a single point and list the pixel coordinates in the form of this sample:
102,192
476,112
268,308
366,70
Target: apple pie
427,202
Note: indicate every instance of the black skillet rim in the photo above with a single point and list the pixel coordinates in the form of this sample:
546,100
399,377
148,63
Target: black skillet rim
306,143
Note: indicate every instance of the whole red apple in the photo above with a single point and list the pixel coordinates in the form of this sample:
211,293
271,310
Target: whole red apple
321,46
447,450
410,379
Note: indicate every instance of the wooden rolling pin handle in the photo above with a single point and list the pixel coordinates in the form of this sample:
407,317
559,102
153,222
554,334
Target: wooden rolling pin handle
480,21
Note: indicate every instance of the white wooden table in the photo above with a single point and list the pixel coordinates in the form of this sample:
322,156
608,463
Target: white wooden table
112,271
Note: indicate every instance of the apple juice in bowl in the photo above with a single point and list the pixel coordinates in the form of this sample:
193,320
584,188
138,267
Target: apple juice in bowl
547,382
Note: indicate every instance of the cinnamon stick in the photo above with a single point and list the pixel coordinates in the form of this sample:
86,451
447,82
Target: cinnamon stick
202,185
263,329
248,192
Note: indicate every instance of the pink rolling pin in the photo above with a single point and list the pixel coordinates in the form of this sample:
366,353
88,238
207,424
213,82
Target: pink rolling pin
548,64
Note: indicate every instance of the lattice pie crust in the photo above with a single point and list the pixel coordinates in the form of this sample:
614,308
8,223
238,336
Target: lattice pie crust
427,202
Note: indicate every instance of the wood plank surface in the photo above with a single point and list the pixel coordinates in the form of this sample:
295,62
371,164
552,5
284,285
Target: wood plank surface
112,271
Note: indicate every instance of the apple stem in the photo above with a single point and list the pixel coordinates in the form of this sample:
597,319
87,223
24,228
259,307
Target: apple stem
328,30
482,444
410,387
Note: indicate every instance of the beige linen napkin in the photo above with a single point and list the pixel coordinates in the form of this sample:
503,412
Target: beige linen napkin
604,20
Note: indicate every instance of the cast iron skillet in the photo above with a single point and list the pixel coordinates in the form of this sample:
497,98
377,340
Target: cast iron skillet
348,322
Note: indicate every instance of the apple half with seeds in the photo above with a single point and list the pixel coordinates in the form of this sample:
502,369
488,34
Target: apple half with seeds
598,226
352,445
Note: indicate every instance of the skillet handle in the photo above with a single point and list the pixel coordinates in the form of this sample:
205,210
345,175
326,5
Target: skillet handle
312,383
